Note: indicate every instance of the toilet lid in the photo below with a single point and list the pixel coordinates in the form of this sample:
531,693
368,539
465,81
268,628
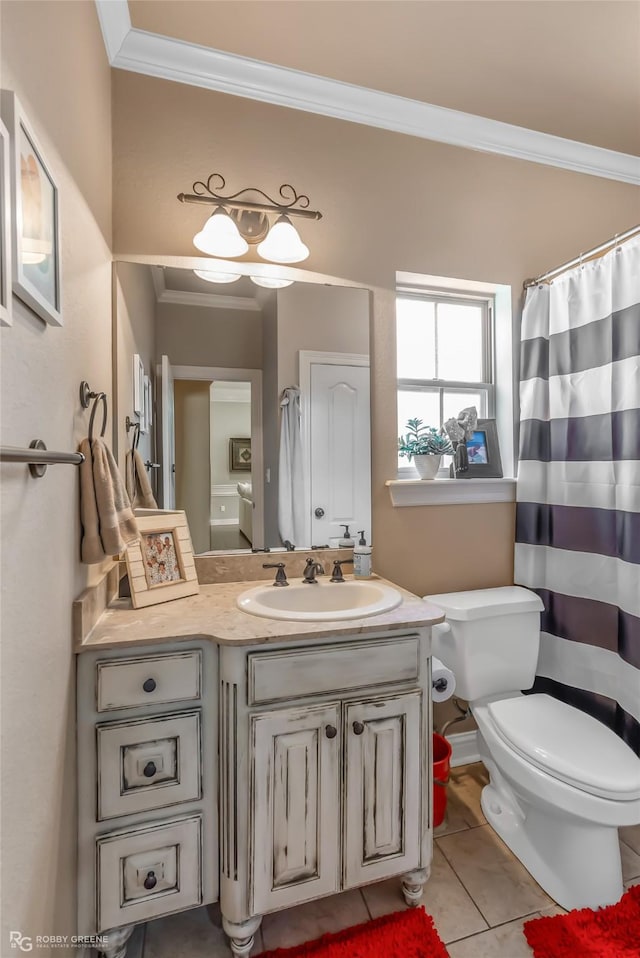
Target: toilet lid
568,744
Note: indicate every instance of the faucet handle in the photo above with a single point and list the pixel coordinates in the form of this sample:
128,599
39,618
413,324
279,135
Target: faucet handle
336,575
281,575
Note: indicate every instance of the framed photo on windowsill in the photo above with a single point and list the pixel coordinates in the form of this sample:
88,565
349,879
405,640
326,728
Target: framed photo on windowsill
483,451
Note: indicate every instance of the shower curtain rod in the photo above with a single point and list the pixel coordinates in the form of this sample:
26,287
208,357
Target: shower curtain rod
590,254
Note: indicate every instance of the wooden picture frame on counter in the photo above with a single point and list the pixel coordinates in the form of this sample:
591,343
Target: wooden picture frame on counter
160,565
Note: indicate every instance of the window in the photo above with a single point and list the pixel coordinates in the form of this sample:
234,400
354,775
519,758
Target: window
445,358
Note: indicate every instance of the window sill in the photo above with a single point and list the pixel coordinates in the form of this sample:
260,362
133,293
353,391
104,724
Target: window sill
450,492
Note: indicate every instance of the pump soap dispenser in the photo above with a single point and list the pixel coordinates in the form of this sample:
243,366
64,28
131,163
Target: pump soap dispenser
346,541
362,558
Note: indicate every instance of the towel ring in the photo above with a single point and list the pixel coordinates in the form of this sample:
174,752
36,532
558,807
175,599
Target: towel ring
98,398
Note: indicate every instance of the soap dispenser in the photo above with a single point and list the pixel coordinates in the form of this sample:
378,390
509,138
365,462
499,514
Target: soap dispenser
362,558
346,541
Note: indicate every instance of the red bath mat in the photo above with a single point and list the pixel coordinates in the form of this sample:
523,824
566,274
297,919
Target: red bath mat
611,932
405,934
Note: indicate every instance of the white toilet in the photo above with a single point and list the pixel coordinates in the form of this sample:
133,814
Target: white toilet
561,783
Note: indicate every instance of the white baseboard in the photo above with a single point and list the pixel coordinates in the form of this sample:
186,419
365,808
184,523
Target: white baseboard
465,748
224,522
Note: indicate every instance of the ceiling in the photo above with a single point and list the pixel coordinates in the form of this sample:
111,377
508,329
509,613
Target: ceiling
565,67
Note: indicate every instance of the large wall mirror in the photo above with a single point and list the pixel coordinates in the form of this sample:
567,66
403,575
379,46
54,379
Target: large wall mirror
250,406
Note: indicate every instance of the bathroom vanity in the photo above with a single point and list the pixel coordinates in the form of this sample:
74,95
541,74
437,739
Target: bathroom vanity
263,763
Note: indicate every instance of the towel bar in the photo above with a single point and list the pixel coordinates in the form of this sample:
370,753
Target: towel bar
39,457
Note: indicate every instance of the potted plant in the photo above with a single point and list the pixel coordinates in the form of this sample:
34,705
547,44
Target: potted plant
426,446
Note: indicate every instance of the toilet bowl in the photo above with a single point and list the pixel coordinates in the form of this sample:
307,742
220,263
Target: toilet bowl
561,783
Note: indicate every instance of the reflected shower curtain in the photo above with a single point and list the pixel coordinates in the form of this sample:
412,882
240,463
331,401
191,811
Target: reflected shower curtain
291,492
578,511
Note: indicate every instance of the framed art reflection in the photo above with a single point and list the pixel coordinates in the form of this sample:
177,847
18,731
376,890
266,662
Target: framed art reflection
5,228
35,223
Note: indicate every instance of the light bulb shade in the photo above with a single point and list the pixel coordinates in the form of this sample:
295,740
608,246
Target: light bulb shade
212,277
283,244
269,283
220,237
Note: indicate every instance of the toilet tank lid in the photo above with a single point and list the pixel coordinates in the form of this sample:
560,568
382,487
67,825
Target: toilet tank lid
483,603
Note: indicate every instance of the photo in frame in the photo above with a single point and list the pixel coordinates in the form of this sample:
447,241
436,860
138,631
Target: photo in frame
483,451
239,455
160,565
35,226
5,228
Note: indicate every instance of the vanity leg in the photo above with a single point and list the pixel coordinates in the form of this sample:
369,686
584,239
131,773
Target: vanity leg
240,934
117,938
413,886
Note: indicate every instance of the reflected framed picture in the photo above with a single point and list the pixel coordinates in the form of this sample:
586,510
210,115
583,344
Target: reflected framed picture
5,228
483,452
138,386
160,565
240,455
35,228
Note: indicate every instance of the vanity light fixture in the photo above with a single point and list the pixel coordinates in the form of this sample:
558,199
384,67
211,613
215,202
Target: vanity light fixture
212,277
270,283
239,220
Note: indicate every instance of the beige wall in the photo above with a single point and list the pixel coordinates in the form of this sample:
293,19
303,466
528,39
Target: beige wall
134,332
389,202
196,336
193,474
52,55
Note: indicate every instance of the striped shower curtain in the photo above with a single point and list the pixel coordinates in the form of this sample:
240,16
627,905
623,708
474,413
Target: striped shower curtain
578,490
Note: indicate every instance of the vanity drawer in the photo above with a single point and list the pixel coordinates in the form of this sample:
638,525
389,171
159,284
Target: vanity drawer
295,673
148,680
148,763
149,871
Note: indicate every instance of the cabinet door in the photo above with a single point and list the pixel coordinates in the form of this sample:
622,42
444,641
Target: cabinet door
383,783
295,806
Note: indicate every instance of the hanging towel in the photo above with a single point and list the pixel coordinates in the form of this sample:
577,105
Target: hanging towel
138,486
108,523
291,496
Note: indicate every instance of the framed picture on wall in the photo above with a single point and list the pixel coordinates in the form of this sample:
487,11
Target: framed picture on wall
35,228
160,565
138,386
5,228
483,451
240,455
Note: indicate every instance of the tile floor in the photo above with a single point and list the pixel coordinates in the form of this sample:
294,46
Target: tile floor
479,894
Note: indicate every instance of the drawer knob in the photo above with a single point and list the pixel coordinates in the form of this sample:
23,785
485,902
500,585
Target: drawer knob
150,881
149,685
149,770
358,728
331,731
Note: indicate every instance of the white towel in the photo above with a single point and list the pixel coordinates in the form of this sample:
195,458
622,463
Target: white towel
108,523
291,507
138,486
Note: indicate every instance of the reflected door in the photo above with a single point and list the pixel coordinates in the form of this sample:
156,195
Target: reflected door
340,467
167,435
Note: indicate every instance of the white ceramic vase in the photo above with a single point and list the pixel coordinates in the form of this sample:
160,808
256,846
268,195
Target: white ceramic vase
427,466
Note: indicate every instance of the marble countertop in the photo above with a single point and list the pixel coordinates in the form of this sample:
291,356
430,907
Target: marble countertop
213,614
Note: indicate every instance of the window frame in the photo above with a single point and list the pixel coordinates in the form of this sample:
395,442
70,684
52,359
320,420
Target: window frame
440,385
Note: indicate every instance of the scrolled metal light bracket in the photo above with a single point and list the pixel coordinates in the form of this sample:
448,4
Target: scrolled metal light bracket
291,203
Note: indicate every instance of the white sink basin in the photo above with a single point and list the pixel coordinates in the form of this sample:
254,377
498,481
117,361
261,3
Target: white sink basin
317,603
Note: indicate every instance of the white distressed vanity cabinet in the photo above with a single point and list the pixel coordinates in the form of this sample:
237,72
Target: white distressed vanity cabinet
147,776
262,763
324,773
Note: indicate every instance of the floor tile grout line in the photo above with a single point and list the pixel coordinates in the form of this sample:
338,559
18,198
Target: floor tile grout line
366,903
527,917
466,890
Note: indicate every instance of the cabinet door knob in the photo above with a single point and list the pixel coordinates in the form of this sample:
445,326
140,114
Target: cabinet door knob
358,728
150,881
331,731
149,685
149,770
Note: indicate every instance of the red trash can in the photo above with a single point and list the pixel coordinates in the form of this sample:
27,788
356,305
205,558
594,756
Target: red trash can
441,765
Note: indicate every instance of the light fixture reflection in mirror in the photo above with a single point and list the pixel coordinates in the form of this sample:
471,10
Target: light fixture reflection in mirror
212,277
271,283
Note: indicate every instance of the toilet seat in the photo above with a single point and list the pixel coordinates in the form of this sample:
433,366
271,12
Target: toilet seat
568,745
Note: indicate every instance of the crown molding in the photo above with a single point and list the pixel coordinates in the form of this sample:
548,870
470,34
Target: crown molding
208,300
166,58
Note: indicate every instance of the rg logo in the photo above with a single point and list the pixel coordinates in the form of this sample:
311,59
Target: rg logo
23,942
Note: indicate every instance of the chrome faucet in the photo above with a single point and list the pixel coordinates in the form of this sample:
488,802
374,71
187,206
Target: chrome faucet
312,569
281,575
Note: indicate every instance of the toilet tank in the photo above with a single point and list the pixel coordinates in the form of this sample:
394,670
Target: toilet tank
490,639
